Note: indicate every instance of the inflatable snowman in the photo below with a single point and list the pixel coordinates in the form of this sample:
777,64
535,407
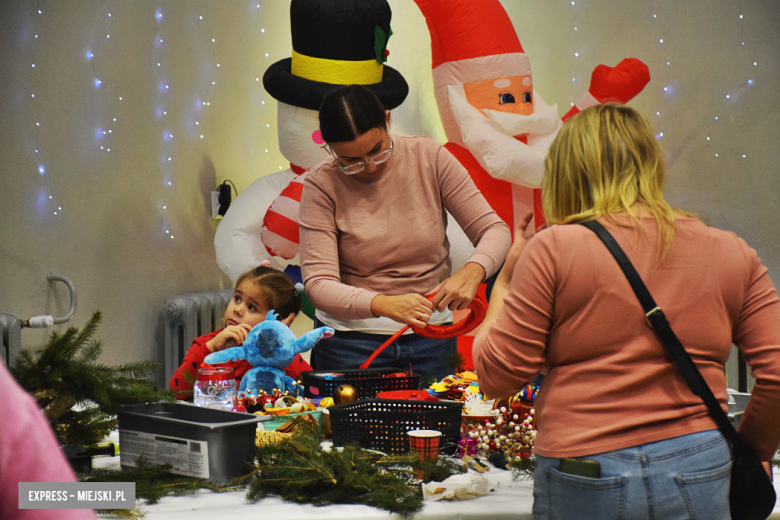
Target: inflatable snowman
334,43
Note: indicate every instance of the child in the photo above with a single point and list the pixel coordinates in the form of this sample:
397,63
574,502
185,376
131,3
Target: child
257,292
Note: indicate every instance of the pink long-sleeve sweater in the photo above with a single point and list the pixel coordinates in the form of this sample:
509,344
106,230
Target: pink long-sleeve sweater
610,383
387,235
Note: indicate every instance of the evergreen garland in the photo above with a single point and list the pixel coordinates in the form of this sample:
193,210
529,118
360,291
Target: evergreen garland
152,483
65,373
299,470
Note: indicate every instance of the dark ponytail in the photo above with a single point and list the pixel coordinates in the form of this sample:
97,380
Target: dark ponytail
348,112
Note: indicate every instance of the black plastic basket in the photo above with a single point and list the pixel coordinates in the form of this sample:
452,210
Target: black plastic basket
366,381
381,424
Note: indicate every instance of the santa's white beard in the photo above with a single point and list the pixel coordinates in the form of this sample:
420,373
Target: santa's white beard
544,120
490,139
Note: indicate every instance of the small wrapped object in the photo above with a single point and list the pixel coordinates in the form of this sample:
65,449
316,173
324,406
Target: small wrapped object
269,438
464,486
467,446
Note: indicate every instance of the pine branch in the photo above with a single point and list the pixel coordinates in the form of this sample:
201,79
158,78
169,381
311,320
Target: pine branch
85,427
299,470
66,371
91,353
153,482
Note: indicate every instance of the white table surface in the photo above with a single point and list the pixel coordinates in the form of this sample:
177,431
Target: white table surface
509,499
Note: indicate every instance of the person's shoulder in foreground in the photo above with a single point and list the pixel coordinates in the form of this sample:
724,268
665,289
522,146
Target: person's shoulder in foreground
29,452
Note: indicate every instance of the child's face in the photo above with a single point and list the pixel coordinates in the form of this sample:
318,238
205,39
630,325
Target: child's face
247,305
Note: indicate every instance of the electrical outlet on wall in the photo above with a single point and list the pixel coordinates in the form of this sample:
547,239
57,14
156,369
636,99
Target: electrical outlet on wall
215,205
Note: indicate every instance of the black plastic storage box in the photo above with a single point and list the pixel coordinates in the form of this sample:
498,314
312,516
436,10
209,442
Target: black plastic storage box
381,424
201,442
366,381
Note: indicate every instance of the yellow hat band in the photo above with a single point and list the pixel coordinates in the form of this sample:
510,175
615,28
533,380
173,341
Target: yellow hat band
337,72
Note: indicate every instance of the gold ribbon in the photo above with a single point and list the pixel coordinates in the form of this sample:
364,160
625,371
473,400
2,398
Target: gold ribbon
337,72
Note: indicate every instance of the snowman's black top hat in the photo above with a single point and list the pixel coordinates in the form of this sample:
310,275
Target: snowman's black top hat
336,42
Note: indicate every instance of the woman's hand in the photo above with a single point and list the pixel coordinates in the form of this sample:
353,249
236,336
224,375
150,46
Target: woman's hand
230,336
457,291
518,244
410,309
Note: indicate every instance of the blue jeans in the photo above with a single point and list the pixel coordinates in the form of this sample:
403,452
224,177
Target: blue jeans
346,349
679,478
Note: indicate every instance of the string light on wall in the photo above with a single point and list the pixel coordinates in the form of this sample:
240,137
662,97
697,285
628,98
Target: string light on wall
731,97
167,142
667,87
45,203
104,132
211,72
260,92
575,91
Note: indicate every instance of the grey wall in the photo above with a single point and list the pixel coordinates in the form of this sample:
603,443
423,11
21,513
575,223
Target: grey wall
128,239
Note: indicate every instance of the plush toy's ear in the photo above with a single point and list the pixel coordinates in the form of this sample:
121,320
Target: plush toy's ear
308,340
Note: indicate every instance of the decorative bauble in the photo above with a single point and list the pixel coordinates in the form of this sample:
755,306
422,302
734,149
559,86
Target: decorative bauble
345,394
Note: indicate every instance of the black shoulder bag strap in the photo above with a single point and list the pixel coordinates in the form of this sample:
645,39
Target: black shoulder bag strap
655,317
657,320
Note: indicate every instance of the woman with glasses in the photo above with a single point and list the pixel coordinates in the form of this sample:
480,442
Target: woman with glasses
373,223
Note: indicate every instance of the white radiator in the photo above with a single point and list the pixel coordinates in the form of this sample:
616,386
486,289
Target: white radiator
187,317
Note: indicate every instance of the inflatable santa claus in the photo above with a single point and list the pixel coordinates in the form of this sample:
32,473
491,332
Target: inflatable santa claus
497,125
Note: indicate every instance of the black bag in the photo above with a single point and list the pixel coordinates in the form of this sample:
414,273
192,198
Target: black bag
752,495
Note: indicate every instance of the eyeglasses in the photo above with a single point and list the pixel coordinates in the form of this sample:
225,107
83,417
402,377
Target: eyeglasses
359,166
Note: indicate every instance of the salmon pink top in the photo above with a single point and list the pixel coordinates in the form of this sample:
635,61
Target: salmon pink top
388,235
611,384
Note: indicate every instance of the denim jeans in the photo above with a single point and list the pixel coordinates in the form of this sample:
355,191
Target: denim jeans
426,356
684,477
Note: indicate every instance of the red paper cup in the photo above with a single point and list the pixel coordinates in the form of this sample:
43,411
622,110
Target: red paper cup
424,442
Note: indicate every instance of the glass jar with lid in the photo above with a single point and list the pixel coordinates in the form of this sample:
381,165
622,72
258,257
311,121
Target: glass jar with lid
216,387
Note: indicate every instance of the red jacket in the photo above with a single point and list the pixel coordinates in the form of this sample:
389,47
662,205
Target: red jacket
183,379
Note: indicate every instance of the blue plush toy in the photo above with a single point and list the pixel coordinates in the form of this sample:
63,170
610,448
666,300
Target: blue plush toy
270,346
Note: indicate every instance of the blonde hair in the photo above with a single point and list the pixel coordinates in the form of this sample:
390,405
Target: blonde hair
602,162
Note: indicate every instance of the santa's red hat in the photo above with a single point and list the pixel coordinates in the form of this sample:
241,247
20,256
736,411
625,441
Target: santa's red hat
473,40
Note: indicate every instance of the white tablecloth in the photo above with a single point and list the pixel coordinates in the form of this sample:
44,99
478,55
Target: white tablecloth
510,499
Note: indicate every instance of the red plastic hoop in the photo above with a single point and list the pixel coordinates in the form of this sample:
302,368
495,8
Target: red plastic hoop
478,307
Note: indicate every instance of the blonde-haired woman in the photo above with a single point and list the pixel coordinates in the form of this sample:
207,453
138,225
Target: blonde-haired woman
611,394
